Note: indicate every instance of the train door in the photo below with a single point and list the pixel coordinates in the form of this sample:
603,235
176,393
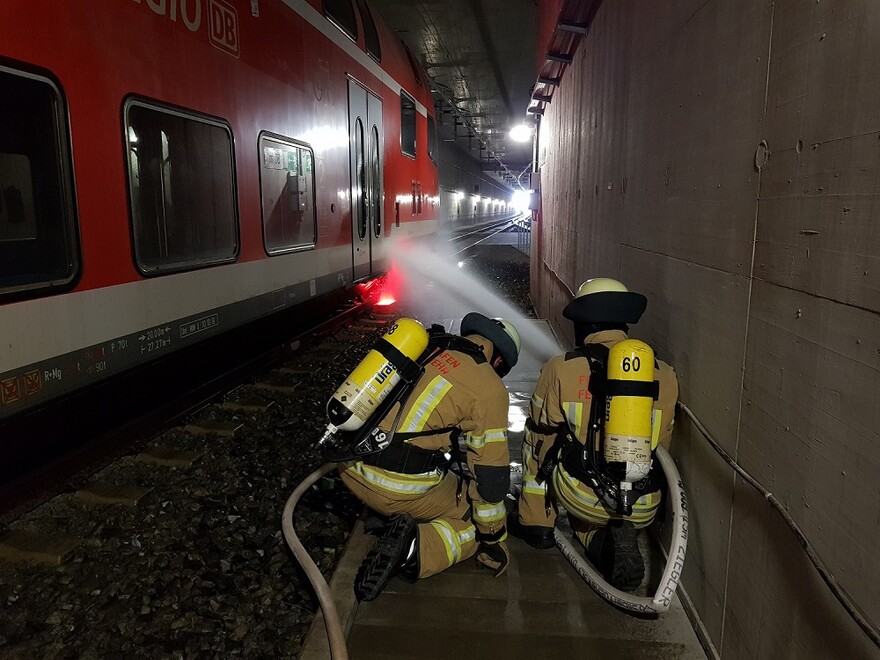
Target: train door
366,140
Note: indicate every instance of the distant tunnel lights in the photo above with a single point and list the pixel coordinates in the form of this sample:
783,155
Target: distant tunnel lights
520,201
521,133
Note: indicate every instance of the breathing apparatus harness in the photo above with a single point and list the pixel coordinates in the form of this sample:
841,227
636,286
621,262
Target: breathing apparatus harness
611,480
391,450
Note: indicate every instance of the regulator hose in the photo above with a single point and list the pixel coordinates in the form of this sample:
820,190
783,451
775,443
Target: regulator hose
839,593
335,633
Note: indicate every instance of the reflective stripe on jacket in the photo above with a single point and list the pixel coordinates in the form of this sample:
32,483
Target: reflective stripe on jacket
459,392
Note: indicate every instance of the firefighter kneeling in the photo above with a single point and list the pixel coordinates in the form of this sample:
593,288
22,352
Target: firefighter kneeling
595,417
437,517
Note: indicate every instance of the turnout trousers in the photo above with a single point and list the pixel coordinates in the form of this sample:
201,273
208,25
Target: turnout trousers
587,513
437,501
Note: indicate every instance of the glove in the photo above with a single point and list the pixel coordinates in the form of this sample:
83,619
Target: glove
494,556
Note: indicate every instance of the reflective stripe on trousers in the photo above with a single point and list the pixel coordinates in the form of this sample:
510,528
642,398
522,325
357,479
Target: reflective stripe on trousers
395,482
486,514
581,501
444,542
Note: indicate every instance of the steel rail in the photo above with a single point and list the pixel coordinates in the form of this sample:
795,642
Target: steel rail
76,466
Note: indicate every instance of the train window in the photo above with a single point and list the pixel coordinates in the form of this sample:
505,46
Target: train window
39,249
287,185
417,73
407,124
371,36
182,189
342,14
375,182
432,138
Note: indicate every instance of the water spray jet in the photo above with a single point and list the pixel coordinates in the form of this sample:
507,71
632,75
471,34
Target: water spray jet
435,286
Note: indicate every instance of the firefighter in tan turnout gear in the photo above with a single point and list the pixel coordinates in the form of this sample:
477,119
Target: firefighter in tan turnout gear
437,517
608,497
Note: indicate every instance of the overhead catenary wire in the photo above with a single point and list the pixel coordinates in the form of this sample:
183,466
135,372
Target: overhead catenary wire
838,591
463,115
335,632
519,176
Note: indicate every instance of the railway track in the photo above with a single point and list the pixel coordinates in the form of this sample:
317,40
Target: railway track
174,548
483,233
123,414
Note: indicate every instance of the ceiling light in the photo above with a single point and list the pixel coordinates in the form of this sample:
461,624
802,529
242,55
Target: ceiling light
521,133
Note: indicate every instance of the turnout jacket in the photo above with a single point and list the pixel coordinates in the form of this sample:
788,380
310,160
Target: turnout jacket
461,393
562,396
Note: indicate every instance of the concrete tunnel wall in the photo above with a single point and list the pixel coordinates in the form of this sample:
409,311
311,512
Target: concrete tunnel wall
762,269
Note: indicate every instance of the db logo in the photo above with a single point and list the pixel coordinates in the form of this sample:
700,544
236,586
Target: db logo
224,26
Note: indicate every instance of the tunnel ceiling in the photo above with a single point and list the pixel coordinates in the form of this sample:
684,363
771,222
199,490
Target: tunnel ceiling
479,55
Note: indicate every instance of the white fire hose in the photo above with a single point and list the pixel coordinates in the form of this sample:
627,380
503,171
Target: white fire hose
335,633
662,598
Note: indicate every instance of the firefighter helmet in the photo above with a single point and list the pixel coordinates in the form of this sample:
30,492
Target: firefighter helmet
604,300
502,334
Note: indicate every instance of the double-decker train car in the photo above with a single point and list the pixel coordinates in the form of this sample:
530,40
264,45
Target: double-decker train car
173,169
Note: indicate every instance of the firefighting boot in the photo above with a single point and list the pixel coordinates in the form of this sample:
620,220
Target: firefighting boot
614,550
392,553
537,537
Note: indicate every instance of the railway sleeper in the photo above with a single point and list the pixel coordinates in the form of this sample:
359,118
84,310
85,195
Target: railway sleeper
101,492
349,336
272,387
334,346
177,458
22,545
246,405
224,429
373,323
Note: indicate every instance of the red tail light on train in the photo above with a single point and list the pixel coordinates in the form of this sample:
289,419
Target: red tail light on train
382,291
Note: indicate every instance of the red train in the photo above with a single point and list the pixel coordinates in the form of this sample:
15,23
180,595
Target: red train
173,169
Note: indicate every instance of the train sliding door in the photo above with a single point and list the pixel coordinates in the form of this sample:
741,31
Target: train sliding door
366,140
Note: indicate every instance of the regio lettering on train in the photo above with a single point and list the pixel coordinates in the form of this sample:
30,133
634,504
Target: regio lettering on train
190,11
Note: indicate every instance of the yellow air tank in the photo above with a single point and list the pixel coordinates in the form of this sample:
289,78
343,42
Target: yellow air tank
377,374
629,412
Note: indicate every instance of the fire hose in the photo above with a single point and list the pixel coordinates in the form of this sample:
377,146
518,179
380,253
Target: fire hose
335,633
662,598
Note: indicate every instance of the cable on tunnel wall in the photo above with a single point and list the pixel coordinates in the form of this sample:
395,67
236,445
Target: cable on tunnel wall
839,592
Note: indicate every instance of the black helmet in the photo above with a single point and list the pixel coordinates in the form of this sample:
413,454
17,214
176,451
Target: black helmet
502,334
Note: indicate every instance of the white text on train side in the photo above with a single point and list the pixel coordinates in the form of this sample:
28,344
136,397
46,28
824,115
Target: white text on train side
222,19
190,11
